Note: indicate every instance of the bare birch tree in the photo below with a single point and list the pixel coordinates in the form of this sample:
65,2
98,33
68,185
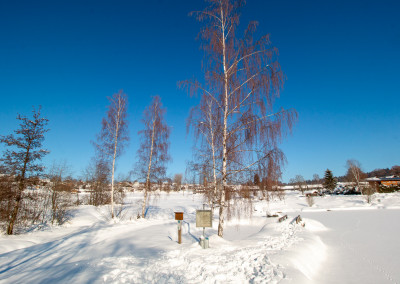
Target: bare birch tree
153,151
354,172
114,134
21,163
243,78
205,121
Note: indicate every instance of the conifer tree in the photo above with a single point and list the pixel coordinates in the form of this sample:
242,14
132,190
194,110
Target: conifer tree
22,161
329,181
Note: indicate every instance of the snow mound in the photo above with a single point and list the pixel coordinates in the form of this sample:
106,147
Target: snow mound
309,256
314,226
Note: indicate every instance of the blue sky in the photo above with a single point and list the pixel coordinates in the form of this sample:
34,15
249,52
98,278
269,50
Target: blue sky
341,59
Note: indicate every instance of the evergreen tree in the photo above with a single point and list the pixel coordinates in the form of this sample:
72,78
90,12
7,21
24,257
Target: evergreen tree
22,162
329,181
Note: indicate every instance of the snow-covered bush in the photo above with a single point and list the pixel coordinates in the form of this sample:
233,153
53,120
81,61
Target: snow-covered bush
310,200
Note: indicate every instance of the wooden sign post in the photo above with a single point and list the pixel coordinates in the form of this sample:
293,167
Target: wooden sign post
179,218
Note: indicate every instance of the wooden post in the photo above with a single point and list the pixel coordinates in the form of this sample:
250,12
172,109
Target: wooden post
179,218
179,232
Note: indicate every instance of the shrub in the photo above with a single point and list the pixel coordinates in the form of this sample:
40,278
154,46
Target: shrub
310,200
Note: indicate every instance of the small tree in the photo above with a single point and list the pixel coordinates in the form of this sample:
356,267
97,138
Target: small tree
316,178
354,172
97,177
368,192
299,182
329,181
178,181
310,200
114,134
60,192
153,151
22,162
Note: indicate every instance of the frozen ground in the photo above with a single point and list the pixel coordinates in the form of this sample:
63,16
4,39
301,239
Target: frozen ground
353,242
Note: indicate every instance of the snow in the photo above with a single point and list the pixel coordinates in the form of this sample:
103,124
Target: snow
344,240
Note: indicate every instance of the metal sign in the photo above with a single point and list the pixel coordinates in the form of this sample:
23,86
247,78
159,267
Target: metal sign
203,218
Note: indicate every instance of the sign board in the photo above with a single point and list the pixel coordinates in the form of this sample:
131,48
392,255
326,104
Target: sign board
179,216
203,218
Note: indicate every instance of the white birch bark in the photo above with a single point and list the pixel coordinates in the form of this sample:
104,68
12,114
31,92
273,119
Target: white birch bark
225,134
117,125
147,186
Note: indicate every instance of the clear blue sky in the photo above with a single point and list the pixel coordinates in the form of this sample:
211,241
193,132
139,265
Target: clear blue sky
341,59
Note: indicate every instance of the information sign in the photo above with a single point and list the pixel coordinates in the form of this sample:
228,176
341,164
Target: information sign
203,218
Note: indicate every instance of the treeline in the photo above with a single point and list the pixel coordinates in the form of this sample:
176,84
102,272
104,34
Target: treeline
349,177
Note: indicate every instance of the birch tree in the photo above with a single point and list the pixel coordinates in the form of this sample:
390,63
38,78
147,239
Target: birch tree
243,78
114,134
22,162
354,172
205,121
153,152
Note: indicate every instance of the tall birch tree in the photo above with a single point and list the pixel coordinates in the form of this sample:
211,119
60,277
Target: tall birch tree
114,134
153,152
243,78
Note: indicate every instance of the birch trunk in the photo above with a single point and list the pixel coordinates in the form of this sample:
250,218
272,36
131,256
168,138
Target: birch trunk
112,181
115,155
147,186
225,127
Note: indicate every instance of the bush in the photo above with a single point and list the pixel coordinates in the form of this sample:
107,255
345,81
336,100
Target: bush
310,200
388,189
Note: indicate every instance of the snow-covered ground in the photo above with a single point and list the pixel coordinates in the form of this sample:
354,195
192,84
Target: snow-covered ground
344,240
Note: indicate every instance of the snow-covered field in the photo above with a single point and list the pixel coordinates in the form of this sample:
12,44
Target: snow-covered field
344,240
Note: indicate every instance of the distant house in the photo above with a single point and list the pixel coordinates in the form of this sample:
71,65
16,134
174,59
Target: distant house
387,181
390,181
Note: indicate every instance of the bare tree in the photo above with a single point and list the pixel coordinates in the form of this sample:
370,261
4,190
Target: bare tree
60,191
354,172
299,181
114,134
205,121
153,151
22,162
243,78
368,192
178,181
97,176
316,178
7,197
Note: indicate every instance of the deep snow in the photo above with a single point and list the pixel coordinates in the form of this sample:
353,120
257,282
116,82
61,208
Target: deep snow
353,242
